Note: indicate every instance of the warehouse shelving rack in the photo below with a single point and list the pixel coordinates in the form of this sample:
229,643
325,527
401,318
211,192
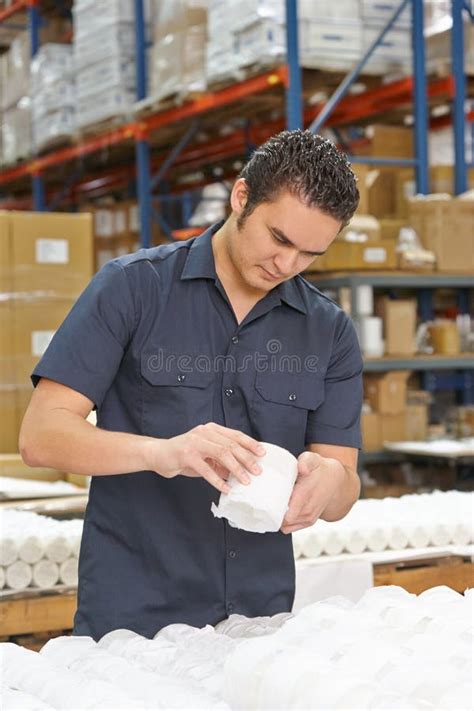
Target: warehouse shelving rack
337,111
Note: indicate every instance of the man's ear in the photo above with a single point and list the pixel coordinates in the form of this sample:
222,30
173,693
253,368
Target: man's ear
238,196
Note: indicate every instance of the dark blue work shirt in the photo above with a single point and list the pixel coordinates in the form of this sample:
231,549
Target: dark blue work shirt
154,343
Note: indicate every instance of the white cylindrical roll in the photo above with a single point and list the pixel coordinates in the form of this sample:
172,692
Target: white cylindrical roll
2,577
371,340
365,300
377,538
57,548
31,549
45,573
18,575
313,543
68,571
397,538
75,542
418,535
440,534
297,546
334,542
261,505
356,541
461,533
8,551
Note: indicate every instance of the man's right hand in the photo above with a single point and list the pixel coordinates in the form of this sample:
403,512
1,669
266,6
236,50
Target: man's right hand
209,451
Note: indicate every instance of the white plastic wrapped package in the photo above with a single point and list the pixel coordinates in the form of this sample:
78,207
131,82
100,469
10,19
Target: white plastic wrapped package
260,506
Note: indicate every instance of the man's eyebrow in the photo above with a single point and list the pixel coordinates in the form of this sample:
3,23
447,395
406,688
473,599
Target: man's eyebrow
286,239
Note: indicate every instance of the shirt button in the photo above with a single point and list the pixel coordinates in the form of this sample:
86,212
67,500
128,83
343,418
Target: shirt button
230,608
228,392
292,397
232,554
181,378
235,339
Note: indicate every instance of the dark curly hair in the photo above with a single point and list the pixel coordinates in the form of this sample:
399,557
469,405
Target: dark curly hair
308,166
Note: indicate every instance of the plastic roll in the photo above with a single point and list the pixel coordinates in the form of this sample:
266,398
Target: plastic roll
418,535
2,577
313,544
261,505
18,575
397,538
45,573
75,543
31,549
377,538
356,541
334,542
297,546
68,571
8,551
57,548
461,533
440,534
365,300
371,340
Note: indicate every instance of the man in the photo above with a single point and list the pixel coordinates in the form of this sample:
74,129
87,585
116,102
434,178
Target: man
193,353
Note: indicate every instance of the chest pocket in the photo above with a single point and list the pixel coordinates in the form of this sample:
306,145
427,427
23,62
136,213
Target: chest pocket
281,404
174,399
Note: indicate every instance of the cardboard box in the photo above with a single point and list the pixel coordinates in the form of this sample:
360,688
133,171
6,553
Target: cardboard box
8,422
444,226
399,317
51,253
394,427
388,142
390,227
12,465
367,225
376,255
377,190
417,422
6,280
386,392
371,432
34,326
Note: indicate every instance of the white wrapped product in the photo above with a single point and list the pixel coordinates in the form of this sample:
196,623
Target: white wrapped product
260,506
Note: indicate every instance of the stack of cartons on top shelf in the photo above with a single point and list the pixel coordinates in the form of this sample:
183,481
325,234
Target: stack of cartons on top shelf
45,263
16,108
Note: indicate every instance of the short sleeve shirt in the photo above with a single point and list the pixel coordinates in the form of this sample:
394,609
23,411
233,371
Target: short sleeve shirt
154,343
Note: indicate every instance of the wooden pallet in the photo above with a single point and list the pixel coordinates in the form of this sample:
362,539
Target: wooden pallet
30,614
455,571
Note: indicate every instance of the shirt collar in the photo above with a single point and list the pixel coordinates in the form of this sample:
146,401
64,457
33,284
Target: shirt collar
200,265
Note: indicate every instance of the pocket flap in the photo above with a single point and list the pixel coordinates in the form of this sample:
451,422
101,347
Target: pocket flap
163,368
304,390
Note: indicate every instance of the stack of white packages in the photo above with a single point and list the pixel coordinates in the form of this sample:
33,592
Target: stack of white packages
411,521
391,650
16,109
37,551
52,94
104,59
332,35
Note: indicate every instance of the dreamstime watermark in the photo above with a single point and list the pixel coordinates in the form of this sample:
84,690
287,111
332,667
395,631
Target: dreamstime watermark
271,361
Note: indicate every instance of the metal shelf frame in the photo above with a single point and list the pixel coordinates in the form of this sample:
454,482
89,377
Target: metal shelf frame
336,111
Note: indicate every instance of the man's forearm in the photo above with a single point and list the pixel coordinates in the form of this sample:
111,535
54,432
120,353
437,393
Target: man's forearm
67,442
346,495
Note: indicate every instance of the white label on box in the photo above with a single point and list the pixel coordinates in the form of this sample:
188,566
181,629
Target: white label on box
52,251
375,255
120,221
40,340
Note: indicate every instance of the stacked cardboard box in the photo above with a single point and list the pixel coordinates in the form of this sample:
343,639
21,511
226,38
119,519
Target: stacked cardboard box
385,421
177,58
444,226
45,263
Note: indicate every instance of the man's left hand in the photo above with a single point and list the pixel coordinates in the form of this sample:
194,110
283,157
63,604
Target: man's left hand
318,481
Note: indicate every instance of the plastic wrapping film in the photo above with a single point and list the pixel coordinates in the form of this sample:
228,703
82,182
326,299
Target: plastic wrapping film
45,263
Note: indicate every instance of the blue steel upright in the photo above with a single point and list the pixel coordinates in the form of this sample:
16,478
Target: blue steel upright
457,54
294,102
142,146
419,99
39,199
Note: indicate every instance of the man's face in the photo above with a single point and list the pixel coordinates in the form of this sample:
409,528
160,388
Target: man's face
279,240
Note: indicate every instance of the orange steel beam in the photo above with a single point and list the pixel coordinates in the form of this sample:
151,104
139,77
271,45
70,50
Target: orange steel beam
13,9
141,129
